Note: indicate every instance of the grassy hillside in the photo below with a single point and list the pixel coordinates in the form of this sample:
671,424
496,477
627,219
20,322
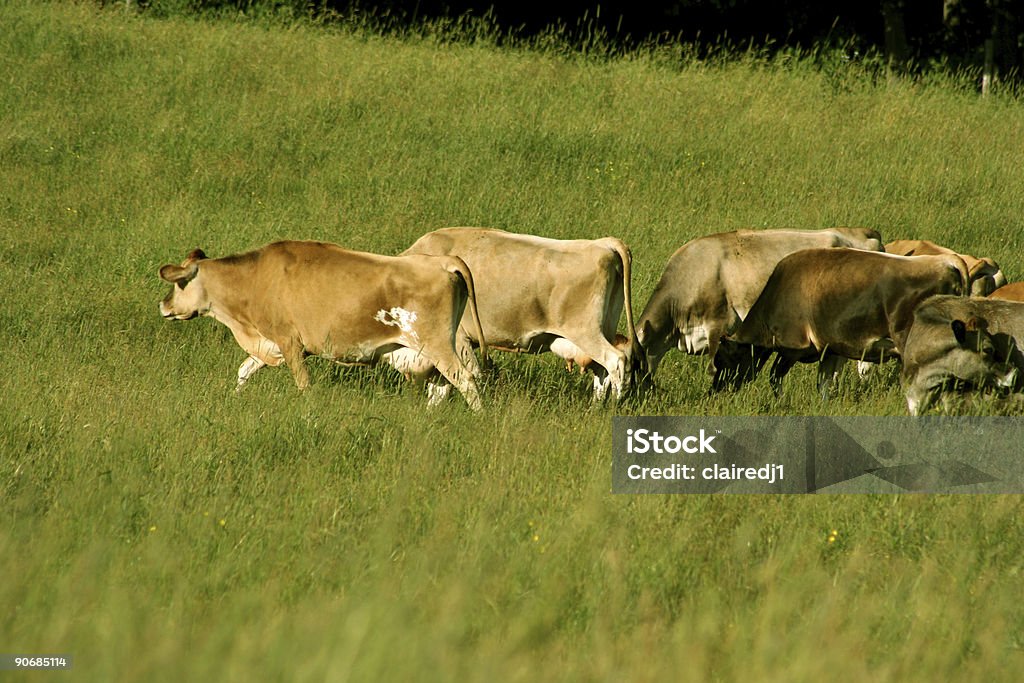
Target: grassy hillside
156,526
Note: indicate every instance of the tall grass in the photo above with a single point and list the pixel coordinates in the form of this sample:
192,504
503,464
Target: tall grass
157,527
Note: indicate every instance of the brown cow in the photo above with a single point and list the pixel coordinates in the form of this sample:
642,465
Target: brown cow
538,294
828,305
1011,292
984,272
710,283
291,298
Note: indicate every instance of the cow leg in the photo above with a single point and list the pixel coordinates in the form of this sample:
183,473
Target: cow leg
828,371
458,374
464,349
419,369
247,369
261,352
294,358
752,365
714,344
724,364
784,362
437,393
865,368
602,380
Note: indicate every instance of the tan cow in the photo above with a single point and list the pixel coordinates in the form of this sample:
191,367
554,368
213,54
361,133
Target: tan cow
291,298
537,294
1011,292
985,274
710,283
828,305
961,341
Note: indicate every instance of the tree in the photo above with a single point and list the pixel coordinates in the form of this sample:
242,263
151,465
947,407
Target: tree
897,51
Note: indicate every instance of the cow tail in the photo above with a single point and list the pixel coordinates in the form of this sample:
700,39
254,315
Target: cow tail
459,267
627,289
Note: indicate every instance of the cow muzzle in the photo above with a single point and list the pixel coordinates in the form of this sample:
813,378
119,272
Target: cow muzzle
169,314
1008,379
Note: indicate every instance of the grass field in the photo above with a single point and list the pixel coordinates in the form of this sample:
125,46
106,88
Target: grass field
157,527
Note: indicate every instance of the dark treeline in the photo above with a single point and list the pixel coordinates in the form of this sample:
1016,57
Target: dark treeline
909,34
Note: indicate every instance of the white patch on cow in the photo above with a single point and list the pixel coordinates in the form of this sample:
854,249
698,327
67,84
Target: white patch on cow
694,340
400,318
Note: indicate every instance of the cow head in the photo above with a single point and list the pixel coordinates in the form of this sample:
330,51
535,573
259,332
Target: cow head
986,276
639,368
187,298
940,358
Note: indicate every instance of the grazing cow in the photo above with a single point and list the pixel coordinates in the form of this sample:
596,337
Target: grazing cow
537,294
1011,292
291,298
953,340
984,272
828,305
711,282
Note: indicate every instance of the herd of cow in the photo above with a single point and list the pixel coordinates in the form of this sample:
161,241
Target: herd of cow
820,296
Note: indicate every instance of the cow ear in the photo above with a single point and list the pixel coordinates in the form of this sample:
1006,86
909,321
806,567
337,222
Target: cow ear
171,273
196,255
179,275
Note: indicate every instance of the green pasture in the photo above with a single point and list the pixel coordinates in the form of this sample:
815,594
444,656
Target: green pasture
157,527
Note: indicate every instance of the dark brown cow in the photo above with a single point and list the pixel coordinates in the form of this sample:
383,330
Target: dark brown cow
828,305
710,283
291,298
